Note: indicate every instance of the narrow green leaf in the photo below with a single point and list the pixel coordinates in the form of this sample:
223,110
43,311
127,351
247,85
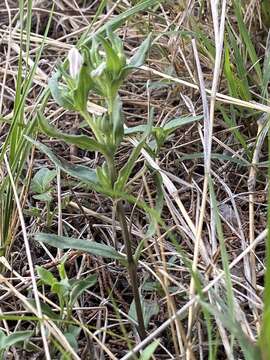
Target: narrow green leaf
84,85
180,121
118,123
220,157
138,58
135,129
241,65
92,247
116,21
149,350
247,39
112,60
224,254
250,350
228,71
80,172
265,327
159,203
125,172
170,125
82,141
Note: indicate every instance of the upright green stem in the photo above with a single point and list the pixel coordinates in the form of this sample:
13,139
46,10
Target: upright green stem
131,264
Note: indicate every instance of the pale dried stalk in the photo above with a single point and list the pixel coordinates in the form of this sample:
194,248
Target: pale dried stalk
208,131
207,148
263,126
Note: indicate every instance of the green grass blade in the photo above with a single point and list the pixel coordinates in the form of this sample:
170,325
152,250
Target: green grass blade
264,339
118,20
247,40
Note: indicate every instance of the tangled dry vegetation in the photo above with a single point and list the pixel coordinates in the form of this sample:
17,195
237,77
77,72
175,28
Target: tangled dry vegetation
207,59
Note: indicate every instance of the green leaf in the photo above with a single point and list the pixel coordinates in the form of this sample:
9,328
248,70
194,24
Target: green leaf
245,35
84,85
82,141
116,21
61,269
223,250
98,71
80,172
139,250
42,179
62,288
138,58
113,63
180,121
220,157
80,286
135,129
117,118
46,197
46,310
159,203
250,350
104,178
169,126
59,93
149,350
72,335
13,339
46,276
149,309
125,172
92,247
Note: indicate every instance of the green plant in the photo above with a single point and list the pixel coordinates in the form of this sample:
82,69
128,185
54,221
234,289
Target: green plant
67,291
102,72
42,187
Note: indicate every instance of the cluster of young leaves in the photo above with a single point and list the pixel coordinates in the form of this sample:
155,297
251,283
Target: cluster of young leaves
67,291
41,184
100,69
